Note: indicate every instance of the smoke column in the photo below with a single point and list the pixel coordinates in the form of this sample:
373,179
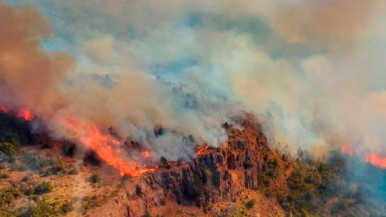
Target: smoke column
313,71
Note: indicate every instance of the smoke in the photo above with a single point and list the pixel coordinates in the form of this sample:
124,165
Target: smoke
312,70
28,75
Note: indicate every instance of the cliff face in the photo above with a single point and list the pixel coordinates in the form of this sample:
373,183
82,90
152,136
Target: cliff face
216,175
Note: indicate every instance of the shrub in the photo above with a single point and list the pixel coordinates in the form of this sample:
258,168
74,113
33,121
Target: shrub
8,195
69,149
57,168
35,161
26,178
43,188
42,209
45,208
67,207
162,202
250,204
94,178
296,181
146,214
8,150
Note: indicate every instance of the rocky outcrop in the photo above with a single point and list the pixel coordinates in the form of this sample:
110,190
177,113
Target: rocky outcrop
217,174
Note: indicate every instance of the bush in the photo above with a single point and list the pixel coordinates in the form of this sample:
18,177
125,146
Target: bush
35,161
67,207
43,188
250,204
26,178
69,149
42,209
162,202
57,168
94,178
8,195
46,208
146,214
8,150
296,180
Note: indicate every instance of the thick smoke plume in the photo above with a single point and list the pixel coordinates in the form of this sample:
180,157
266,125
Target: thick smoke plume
312,70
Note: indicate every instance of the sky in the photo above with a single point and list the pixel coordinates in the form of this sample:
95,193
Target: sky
312,71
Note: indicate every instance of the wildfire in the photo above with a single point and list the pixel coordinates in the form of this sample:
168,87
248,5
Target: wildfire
102,144
376,160
201,149
371,158
25,114
21,113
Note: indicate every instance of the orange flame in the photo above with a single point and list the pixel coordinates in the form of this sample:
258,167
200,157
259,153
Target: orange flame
201,149
376,160
21,113
371,158
94,139
25,114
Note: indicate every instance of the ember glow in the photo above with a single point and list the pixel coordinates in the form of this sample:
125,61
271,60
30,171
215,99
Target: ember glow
25,114
146,153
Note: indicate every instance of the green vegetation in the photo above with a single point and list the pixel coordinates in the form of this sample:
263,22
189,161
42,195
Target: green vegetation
269,173
316,188
8,151
58,167
8,195
250,204
35,161
43,188
95,178
45,208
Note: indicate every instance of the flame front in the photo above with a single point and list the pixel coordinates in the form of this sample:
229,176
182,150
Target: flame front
376,160
107,147
371,158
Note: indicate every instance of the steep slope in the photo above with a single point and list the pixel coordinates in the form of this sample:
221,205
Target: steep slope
216,175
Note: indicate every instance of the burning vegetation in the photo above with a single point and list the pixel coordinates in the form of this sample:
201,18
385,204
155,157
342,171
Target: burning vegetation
105,145
298,185
96,117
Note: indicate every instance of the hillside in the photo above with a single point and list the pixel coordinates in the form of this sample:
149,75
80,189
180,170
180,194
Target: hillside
244,177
